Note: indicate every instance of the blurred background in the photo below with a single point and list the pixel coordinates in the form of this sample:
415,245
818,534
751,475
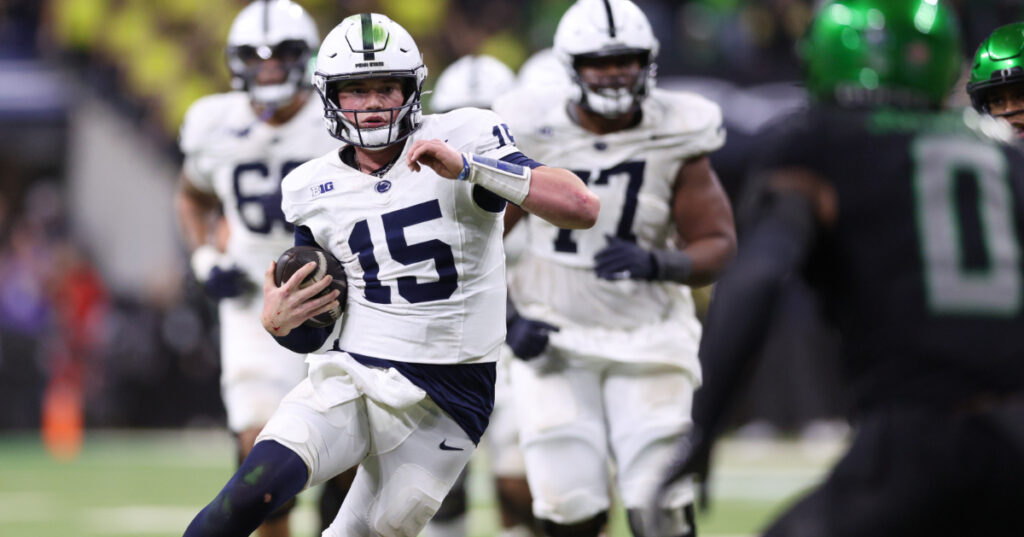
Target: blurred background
101,324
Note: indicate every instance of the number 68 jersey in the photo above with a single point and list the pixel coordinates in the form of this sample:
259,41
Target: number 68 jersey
423,254
633,171
229,152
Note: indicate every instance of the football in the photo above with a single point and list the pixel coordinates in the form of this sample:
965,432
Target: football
295,258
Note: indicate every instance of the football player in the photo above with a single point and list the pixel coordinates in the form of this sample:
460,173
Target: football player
475,81
606,327
996,86
908,220
238,146
412,206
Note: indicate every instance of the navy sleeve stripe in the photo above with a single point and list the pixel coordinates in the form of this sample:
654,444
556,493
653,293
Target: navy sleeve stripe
305,339
304,237
522,160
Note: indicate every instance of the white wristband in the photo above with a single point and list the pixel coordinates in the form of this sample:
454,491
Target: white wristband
508,180
203,260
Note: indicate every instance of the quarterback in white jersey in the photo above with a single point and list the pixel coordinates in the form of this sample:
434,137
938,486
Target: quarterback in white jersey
604,315
412,207
238,146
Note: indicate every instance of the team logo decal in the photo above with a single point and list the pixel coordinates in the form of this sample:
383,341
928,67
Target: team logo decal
322,188
382,186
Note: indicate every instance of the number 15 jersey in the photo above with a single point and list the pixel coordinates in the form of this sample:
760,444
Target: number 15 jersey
423,254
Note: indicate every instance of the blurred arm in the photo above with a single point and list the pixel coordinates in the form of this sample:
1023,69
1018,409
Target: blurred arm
197,213
793,209
704,220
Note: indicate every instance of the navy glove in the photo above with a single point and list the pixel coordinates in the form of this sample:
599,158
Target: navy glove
226,283
624,259
526,337
218,278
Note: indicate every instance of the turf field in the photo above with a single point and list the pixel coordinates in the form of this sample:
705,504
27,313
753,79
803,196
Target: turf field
151,484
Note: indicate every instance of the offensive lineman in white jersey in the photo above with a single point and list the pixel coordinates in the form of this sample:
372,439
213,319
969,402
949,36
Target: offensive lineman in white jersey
238,146
604,315
412,207
476,81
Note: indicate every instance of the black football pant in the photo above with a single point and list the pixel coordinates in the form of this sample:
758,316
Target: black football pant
922,472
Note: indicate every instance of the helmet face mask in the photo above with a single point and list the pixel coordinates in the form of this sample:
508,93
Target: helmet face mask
265,31
613,84
370,46
998,64
605,33
349,122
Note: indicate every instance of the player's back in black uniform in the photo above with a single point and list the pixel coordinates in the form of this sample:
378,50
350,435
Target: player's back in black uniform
921,270
908,223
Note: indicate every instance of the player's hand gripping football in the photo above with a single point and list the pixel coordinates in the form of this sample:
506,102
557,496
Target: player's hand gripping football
288,306
436,155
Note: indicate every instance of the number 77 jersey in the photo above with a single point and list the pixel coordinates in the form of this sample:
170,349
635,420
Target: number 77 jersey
633,171
423,254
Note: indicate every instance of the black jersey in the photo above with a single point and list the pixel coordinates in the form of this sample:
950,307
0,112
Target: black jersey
922,271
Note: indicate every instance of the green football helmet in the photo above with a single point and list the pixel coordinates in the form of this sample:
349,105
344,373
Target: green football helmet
998,62
882,52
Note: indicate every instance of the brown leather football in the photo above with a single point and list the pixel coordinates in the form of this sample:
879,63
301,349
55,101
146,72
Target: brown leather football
295,258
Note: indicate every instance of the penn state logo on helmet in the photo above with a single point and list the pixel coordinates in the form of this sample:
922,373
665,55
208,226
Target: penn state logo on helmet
593,29
370,45
272,29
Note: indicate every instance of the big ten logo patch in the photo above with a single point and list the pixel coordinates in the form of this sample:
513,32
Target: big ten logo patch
322,188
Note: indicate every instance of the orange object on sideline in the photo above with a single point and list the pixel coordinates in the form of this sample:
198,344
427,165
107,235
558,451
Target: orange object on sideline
63,421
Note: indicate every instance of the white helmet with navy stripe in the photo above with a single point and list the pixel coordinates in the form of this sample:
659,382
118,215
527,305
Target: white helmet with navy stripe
471,81
370,45
266,29
599,28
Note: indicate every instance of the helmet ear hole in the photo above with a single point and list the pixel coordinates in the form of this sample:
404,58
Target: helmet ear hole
409,87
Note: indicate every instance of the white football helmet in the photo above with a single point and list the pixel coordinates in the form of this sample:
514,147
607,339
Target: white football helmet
601,28
266,29
370,45
543,69
471,81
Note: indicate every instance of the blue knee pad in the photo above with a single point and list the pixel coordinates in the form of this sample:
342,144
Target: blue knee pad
270,476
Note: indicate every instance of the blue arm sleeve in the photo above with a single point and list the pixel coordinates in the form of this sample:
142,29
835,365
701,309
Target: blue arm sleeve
522,160
305,339
304,237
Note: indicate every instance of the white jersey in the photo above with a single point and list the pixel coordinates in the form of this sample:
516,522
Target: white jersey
229,152
633,172
424,260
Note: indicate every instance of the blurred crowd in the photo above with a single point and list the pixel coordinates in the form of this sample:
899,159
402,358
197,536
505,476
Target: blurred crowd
61,327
